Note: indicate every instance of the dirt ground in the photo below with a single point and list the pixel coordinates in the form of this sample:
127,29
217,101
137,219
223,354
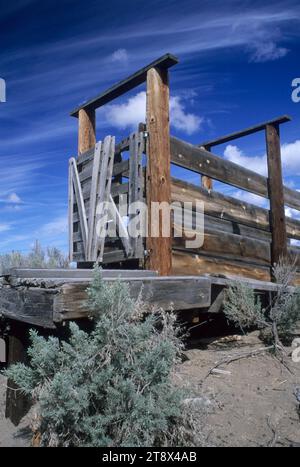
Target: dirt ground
252,399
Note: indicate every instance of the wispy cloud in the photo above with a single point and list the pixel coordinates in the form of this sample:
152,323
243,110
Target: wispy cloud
120,56
267,51
4,227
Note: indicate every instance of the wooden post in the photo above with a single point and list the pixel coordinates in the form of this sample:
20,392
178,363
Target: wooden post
206,182
86,130
17,404
158,165
276,194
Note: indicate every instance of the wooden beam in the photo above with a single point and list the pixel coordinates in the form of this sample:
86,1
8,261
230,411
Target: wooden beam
164,62
177,293
246,132
86,130
276,194
17,404
158,183
201,161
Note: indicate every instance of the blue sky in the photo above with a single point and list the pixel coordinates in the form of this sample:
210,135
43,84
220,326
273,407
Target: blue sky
237,63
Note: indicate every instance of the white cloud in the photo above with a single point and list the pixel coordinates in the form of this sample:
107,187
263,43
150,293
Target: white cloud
4,227
129,114
289,155
266,51
133,112
256,163
120,55
14,198
187,122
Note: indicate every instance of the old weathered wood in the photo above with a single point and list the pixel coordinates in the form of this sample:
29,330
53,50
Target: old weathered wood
164,62
79,202
76,273
226,245
104,191
276,194
29,305
86,130
17,404
246,132
167,292
201,161
121,229
191,264
206,182
93,200
70,212
136,187
158,165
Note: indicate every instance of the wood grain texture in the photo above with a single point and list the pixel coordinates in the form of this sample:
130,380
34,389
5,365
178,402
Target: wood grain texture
179,293
191,264
17,404
201,161
158,164
276,194
86,130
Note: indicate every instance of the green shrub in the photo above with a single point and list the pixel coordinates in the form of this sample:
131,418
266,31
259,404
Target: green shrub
113,386
38,257
278,319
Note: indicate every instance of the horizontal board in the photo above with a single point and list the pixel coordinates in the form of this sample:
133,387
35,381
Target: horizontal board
82,274
201,161
193,264
229,246
29,305
178,293
229,208
221,206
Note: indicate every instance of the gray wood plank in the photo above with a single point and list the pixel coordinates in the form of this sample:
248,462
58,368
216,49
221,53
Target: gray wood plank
164,62
178,293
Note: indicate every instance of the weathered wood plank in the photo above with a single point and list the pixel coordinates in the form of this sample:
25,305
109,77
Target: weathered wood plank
201,161
77,273
276,194
80,202
70,212
229,246
17,404
164,62
93,200
136,187
158,165
179,293
231,209
29,305
246,132
193,264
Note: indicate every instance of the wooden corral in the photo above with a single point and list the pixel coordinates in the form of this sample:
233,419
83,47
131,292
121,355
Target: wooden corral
241,240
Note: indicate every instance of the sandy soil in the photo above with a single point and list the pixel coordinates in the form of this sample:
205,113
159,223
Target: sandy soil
253,401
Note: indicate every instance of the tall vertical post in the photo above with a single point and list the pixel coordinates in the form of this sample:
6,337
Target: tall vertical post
276,194
86,129
17,404
158,165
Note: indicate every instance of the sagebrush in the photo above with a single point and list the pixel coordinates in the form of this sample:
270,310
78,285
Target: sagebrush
113,386
38,257
278,318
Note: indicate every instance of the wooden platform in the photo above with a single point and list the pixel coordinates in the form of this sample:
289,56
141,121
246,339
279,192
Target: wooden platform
49,297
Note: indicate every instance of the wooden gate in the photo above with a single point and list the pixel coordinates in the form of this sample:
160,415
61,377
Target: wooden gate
100,181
